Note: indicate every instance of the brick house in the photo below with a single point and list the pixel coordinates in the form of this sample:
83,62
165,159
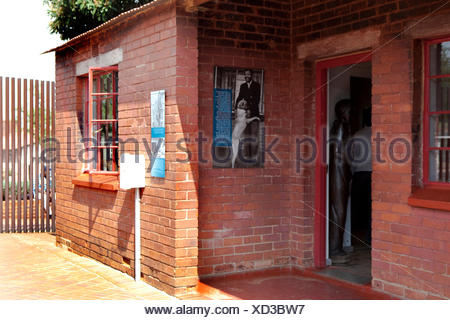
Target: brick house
201,220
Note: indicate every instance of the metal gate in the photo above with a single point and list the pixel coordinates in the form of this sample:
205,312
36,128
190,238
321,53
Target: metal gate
27,145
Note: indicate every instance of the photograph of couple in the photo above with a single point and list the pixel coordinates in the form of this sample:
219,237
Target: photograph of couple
247,118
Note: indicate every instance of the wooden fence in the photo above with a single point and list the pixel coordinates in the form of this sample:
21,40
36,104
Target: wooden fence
27,175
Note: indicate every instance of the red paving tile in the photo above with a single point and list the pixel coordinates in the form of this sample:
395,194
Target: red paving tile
32,267
287,285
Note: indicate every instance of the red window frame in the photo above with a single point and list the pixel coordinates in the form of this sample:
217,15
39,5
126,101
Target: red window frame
89,122
428,114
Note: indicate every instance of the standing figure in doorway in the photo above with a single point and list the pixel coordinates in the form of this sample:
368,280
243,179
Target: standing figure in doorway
361,199
250,91
340,176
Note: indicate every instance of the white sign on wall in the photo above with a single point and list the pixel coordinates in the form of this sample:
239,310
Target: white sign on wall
132,171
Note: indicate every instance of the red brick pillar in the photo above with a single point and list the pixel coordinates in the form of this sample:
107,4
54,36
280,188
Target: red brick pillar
301,173
391,179
182,121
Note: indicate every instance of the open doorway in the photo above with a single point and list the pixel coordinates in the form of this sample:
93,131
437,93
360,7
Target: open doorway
346,181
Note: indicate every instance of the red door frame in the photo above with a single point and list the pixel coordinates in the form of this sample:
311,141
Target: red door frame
321,169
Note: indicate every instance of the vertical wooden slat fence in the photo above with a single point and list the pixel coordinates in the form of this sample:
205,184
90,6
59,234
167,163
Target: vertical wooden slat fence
41,140
30,130
1,153
19,155
27,127
12,152
25,156
35,160
36,156
6,178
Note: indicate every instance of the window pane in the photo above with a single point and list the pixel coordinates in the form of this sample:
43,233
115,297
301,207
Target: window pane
94,109
439,166
440,58
95,85
115,111
107,109
106,83
106,159
440,131
96,134
116,157
95,162
440,94
85,103
105,134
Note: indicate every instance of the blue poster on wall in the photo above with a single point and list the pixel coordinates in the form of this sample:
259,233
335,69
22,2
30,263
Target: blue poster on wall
158,159
222,121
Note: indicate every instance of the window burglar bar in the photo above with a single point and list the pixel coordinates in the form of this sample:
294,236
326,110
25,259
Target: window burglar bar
101,111
437,112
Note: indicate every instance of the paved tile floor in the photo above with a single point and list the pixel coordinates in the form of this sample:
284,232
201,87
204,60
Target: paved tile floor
32,267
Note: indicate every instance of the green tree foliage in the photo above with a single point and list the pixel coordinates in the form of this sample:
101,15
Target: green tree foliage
70,18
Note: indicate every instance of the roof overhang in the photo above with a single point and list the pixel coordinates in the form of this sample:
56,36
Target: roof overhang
190,5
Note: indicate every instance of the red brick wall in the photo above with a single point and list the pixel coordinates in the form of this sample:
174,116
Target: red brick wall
244,213
411,250
323,18
230,241
159,52
410,247
250,218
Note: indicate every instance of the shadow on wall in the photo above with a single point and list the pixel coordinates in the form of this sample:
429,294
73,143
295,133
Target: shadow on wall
105,201
125,238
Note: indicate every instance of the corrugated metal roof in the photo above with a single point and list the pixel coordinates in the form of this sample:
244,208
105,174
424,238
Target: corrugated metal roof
121,17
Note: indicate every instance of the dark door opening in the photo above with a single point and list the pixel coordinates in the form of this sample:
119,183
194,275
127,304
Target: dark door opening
348,206
361,200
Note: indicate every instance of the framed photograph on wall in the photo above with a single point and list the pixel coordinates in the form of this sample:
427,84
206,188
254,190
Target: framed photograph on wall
238,116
